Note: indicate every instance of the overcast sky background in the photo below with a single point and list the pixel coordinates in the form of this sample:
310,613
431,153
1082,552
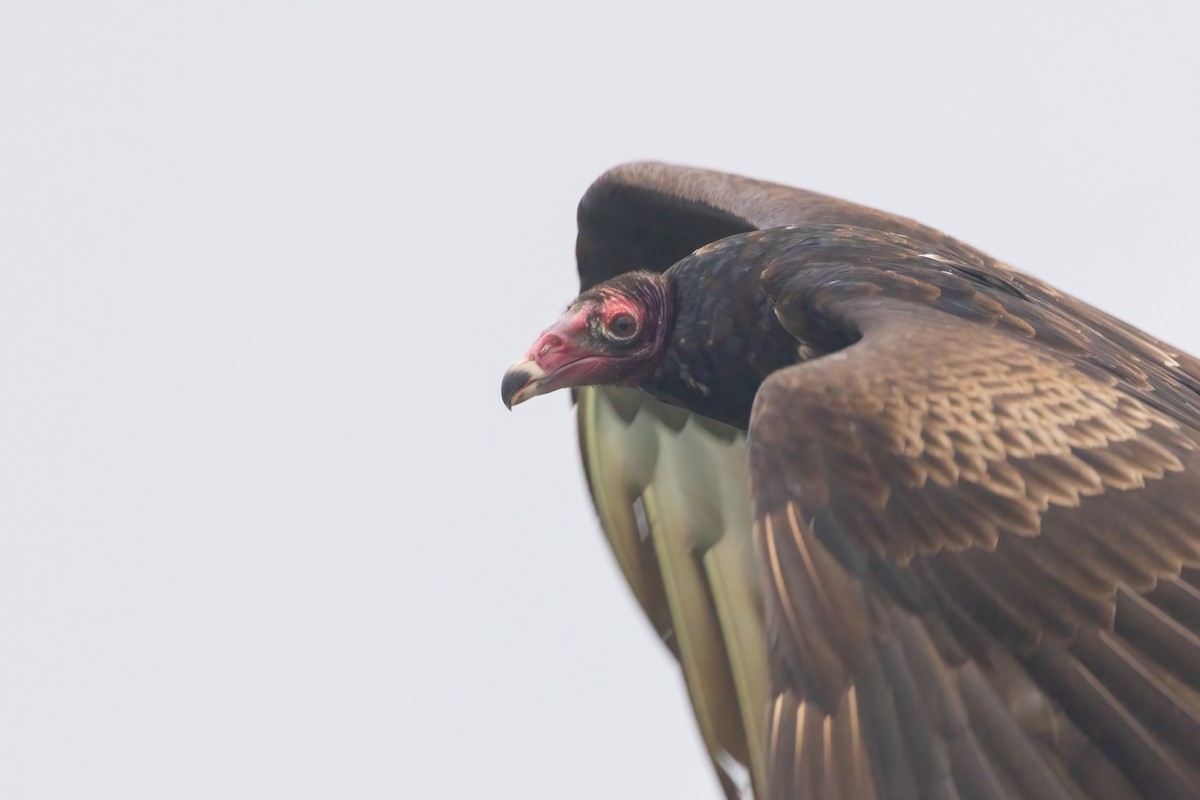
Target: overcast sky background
266,530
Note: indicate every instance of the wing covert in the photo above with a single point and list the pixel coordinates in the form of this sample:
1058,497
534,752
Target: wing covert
969,543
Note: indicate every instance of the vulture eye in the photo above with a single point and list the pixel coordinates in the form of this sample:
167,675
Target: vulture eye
622,326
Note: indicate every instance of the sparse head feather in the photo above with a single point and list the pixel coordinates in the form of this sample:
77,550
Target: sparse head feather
613,333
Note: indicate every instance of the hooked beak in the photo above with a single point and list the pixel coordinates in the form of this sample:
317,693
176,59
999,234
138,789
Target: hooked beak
561,357
522,381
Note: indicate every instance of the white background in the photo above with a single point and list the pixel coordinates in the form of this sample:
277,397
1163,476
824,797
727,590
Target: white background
266,530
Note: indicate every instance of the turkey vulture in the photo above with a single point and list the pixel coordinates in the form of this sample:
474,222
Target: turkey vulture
914,523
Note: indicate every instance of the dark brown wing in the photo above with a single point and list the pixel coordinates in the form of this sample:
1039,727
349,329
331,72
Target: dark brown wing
649,215
669,486
977,524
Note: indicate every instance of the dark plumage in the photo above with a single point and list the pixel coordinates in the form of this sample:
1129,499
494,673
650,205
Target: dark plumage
967,562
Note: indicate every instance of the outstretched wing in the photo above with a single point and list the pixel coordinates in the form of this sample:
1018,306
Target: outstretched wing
669,487
978,524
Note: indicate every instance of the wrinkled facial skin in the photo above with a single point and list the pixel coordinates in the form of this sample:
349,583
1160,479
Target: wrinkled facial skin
611,334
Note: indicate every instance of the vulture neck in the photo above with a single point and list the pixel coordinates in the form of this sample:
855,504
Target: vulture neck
724,339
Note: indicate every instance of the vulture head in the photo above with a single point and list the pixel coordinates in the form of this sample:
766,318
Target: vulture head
612,334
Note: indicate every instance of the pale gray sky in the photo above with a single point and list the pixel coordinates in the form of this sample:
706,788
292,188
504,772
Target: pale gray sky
266,530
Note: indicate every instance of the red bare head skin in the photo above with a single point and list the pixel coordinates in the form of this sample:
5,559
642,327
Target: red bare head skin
612,334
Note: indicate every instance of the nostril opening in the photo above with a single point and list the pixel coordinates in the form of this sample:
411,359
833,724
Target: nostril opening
548,344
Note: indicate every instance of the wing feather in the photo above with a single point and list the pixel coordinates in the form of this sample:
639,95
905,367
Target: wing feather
675,556
1038,560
